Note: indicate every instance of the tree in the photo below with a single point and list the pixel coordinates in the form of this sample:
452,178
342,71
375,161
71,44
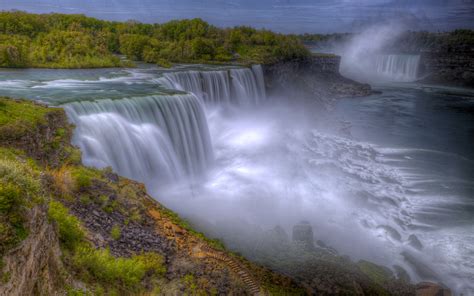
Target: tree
132,45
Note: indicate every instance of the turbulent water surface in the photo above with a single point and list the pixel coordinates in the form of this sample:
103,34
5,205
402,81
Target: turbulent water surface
389,178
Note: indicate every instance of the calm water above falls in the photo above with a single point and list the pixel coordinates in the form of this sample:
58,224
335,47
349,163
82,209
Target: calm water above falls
370,174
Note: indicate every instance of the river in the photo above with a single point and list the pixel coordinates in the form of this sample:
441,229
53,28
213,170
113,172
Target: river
388,178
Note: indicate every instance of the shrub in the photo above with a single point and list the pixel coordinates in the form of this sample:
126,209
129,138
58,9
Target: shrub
126,273
115,233
70,232
83,176
63,181
19,189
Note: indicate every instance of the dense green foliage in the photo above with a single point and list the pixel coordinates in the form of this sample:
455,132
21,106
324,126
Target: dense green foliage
70,232
19,189
77,41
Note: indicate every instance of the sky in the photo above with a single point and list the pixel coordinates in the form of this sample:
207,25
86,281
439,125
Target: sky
286,16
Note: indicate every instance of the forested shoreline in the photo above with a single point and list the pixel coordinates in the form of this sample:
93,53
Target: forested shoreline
460,40
77,41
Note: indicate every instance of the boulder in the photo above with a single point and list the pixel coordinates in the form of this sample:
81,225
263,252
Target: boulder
303,234
431,289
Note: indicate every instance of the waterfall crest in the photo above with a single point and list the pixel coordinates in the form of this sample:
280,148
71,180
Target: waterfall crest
242,86
398,67
149,138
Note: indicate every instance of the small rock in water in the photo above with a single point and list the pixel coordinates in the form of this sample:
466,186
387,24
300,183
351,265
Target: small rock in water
303,234
415,242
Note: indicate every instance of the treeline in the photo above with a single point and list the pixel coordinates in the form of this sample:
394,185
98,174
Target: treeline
77,41
314,38
460,40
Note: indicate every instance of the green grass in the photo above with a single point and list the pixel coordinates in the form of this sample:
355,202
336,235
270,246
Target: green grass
125,274
20,114
83,176
70,231
215,243
116,232
86,62
20,189
377,273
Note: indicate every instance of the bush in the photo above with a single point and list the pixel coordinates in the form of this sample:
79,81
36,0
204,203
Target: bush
70,232
115,233
83,176
19,189
77,41
125,273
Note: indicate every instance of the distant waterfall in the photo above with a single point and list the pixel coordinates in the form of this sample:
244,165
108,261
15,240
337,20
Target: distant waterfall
146,138
242,86
398,67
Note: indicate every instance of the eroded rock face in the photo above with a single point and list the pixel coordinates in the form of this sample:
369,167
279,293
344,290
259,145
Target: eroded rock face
34,267
431,289
449,68
314,78
303,235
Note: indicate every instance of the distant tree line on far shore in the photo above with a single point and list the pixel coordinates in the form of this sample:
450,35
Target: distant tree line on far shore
76,41
460,40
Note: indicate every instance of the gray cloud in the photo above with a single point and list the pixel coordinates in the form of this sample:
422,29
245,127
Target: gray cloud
287,16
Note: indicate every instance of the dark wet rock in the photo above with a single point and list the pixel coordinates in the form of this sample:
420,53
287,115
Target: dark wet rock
316,78
134,237
391,232
415,242
111,176
401,273
431,289
448,68
422,269
303,235
274,241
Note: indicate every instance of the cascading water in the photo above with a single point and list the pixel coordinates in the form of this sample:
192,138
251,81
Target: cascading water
243,86
397,67
153,138
386,190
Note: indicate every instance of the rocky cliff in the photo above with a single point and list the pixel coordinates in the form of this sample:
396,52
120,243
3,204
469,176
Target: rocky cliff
450,68
315,78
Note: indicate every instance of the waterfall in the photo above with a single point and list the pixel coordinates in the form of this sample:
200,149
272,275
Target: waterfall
258,72
398,67
243,86
217,86
161,138
148,138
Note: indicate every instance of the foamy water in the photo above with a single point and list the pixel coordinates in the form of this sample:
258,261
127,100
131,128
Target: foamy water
371,176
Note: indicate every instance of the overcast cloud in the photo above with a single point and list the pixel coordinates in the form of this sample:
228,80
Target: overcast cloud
288,16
